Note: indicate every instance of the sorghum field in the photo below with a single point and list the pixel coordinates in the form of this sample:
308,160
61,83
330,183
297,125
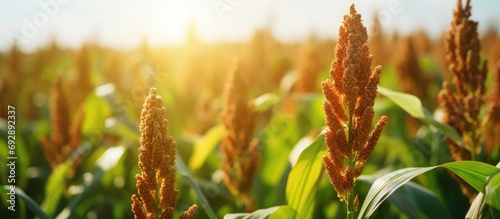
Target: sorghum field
371,123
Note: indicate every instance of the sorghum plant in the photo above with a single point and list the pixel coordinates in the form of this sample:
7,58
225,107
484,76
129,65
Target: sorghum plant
491,122
156,185
350,97
308,69
378,42
461,100
410,74
65,135
240,156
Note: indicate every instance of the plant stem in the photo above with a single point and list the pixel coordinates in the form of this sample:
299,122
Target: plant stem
350,206
351,164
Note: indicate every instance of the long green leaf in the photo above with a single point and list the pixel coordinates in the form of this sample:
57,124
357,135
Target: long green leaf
477,208
474,173
412,105
414,200
54,189
386,185
183,170
258,214
32,205
303,178
205,146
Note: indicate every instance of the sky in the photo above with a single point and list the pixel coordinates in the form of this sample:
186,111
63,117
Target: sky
125,23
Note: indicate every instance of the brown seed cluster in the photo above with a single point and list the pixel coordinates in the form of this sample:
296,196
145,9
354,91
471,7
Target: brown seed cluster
239,147
378,42
156,184
461,100
412,78
350,97
308,69
491,125
65,134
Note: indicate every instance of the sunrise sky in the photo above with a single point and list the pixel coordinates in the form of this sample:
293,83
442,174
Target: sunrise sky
125,23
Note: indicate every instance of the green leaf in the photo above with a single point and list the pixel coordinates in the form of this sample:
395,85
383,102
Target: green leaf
414,200
492,190
409,103
205,146
283,211
119,128
386,185
94,119
55,187
183,170
474,173
265,101
258,214
106,161
278,139
412,105
477,208
416,197
304,177
32,205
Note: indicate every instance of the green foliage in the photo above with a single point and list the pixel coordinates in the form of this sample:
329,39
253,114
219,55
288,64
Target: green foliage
183,170
54,187
259,214
413,200
492,190
413,106
265,102
30,203
205,146
303,180
474,173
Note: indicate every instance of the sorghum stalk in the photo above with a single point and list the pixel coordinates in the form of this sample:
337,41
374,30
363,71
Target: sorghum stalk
491,122
156,184
462,99
350,97
240,156
308,69
410,75
65,134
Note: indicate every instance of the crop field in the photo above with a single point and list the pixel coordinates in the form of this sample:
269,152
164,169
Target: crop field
372,123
